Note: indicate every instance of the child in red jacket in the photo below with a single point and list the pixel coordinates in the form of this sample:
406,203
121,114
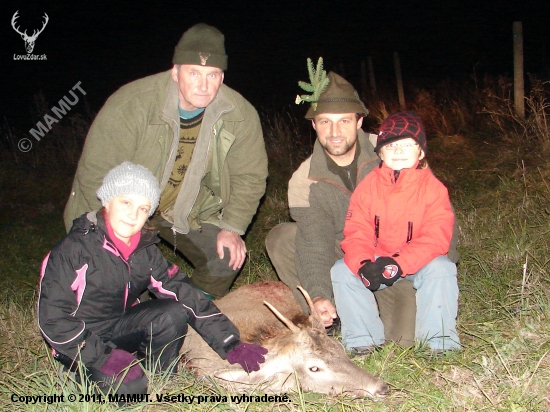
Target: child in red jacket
88,307
398,227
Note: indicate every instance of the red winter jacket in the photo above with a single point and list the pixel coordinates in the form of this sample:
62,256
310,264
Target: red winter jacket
410,219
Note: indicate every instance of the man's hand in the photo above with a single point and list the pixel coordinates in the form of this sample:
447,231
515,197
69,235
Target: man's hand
236,246
325,309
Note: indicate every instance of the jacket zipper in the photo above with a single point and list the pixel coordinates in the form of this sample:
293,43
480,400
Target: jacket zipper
376,229
198,191
175,142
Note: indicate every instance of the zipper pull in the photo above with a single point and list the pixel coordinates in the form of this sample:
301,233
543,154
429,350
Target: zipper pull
175,238
376,229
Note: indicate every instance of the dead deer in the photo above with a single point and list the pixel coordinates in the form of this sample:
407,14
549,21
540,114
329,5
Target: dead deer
300,351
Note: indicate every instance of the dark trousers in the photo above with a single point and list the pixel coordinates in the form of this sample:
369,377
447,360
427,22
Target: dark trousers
211,274
154,330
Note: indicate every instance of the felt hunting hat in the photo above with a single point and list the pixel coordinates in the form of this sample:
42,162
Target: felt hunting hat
130,179
202,45
402,125
339,97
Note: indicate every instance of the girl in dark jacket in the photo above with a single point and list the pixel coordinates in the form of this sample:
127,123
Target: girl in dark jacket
88,307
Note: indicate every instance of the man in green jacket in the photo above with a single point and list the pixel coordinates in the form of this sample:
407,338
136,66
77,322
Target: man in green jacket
319,191
202,140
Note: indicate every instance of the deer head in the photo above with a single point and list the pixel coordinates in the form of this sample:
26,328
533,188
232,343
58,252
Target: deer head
29,40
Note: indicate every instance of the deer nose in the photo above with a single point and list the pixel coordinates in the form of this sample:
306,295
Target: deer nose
383,391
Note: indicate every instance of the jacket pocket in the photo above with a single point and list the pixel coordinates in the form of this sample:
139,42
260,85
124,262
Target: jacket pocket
207,207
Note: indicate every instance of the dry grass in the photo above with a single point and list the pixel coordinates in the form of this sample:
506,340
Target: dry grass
499,180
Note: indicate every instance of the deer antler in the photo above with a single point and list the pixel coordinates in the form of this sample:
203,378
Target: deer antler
36,33
281,317
317,321
24,34
15,16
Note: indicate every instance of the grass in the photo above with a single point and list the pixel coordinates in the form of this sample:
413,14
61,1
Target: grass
500,186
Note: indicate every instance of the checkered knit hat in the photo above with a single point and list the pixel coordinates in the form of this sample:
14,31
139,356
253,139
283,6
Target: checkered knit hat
128,178
399,126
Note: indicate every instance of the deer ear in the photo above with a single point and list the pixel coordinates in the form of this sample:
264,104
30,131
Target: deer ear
317,323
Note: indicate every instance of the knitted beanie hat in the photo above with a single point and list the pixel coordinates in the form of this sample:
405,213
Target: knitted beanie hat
339,97
399,126
203,45
128,178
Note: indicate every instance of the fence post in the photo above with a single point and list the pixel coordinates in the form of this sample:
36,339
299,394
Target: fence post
342,69
363,79
519,104
399,79
371,75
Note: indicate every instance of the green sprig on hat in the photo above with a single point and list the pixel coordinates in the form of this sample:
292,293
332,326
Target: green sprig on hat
318,83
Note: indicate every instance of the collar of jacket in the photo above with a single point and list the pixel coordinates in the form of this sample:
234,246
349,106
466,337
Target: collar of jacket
407,176
319,170
95,222
348,174
169,96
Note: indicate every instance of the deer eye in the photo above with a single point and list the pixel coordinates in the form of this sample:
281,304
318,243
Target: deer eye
314,369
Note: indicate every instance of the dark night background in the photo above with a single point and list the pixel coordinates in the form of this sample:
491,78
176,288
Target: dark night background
105,44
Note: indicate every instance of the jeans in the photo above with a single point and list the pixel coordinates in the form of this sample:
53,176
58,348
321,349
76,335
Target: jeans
436,306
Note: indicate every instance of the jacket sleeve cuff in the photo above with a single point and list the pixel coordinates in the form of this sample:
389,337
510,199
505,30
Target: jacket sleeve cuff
95,352
403,265
231,343
229,228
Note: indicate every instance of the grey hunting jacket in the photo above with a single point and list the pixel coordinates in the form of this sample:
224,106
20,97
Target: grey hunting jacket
140,123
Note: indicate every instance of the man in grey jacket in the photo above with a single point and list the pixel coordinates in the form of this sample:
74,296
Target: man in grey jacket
304,251
202,141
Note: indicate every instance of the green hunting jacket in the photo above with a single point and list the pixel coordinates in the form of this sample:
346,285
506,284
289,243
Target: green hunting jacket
226,177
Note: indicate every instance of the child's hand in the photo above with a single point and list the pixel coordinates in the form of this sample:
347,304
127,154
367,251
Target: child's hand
371,275
118,362
389,270
248,355
384,270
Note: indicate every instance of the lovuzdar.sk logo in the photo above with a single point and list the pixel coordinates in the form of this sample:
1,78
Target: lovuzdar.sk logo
29,40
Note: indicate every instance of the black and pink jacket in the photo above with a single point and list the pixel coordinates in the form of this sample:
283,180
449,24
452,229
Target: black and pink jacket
86,286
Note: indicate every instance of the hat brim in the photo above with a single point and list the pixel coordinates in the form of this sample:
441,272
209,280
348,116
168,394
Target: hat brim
200,59
336,107
397,138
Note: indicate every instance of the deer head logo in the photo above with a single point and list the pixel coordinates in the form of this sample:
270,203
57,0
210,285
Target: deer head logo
29,40
204,57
